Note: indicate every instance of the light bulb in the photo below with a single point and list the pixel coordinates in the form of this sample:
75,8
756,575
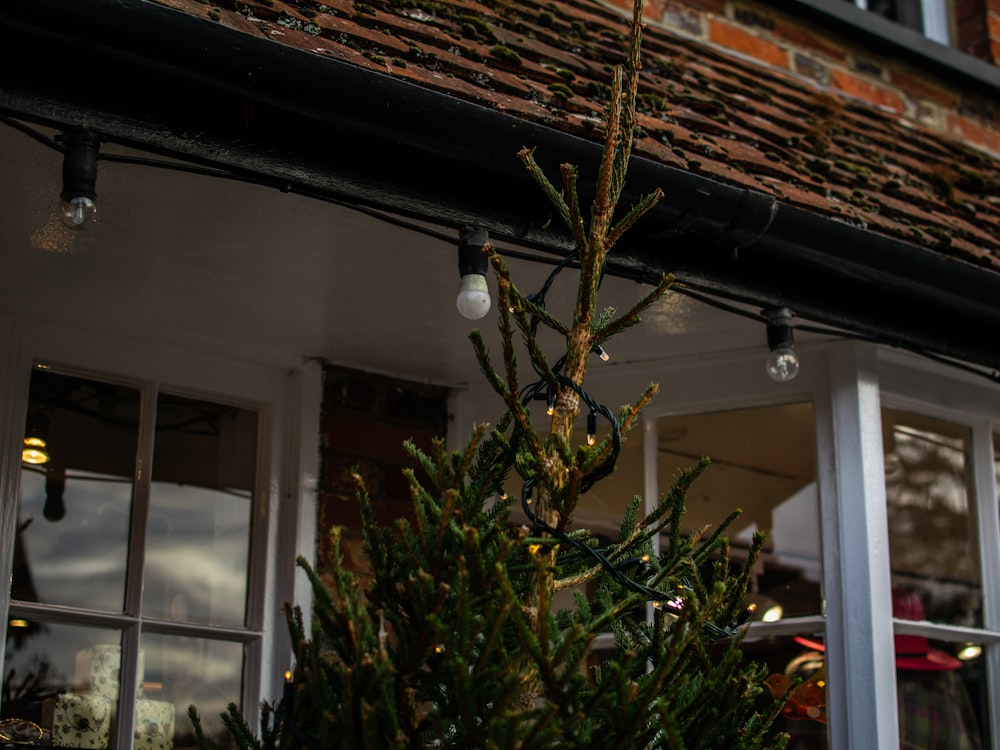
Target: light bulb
473,261
970,651
78,212
782,365
79,172
773,613
473,299
34,451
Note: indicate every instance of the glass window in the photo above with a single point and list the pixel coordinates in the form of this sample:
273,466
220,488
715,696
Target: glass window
933,547
935,567
181,671
764,462
199,512
75,508
928,17
102,547
53,693
907,12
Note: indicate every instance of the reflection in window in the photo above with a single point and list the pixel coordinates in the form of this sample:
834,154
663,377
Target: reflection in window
185,671
61,684
199,514
763,462
907,12
74,513
934,687
74,546
934,560
932,531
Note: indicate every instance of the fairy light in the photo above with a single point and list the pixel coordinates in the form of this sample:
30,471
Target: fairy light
551,378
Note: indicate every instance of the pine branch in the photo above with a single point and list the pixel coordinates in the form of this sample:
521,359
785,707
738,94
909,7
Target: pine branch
458,640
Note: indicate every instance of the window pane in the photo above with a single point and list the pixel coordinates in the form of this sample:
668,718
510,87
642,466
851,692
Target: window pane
932,531
197,540
943,706
74,513
764,462
941,686
792,660
907,12
60,684
181,672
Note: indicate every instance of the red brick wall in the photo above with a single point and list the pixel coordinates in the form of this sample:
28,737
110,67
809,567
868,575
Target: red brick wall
837,63
977,28
365,420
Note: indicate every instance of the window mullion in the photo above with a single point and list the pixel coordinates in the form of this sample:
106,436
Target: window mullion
860,667
988,523
140,500
129,673
14,377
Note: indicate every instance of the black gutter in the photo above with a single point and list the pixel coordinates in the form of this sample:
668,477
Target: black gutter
166,81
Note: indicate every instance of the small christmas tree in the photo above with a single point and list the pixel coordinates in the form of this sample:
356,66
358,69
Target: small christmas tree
456,642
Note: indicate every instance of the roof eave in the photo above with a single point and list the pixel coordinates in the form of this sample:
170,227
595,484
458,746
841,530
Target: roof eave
147,75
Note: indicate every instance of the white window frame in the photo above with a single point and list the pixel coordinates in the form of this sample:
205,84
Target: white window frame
924,388
847,383
288,403
712,383
935,18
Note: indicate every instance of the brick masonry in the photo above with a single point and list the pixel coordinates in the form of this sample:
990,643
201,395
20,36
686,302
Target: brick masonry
787,41
365,420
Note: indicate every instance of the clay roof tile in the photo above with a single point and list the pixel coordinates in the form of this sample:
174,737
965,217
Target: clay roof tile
721,116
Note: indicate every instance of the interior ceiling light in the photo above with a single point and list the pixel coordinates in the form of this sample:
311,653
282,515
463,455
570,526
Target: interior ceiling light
473,299
782,363
970,651
78,208
35,449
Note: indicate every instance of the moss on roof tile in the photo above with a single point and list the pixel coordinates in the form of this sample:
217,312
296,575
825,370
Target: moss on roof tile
549,62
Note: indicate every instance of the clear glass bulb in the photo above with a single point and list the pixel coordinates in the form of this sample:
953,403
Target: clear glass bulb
782,365
473,299
77,212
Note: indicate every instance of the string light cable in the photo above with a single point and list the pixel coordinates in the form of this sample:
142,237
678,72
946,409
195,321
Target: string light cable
670,602
618,270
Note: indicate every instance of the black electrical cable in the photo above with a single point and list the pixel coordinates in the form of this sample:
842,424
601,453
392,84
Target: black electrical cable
672,603
621,272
